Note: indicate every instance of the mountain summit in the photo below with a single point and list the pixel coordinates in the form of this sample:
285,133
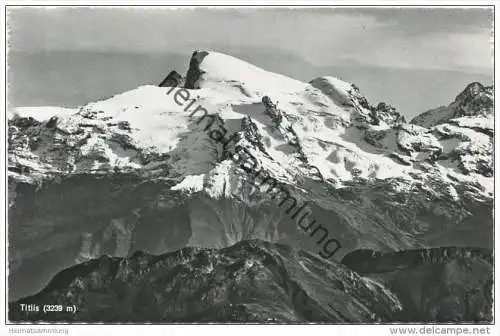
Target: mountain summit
475,102
148,170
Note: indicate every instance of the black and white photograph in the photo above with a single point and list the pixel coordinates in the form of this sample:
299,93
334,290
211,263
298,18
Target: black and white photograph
250,165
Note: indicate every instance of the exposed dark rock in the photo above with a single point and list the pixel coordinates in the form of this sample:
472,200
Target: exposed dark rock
124,125
284,126
400,158
386,113
250,281
375,137
52,122
272,111
263,282
251,133
474,100
129,198
447,283
356,93
369,261
24,122
194,71
20,169
173,79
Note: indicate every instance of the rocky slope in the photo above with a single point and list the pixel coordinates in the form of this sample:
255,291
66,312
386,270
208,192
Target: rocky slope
262,282
140,171
469,120
475,101
447,283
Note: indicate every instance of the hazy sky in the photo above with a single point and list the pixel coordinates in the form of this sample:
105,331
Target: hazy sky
449,40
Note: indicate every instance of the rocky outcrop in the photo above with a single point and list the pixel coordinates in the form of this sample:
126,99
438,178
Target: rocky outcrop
369,261
286,130
458,137
346,95
447,283
474,100
255,281
194,72
251,133
470,150
465,130
172,79
415,140
252,281
387,114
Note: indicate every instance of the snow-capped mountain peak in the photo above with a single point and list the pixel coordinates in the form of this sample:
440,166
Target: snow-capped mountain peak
364,173
216,70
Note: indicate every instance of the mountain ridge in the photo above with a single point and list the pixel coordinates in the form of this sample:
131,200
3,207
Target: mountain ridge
137,172
250,281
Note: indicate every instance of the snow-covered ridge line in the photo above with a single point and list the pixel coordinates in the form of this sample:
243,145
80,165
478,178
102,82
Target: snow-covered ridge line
334,133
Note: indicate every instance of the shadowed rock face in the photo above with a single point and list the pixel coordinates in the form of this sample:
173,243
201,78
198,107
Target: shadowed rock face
446,284
264,282
172,79
194,71
116,215
386,113
250,281
106,223
475,100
